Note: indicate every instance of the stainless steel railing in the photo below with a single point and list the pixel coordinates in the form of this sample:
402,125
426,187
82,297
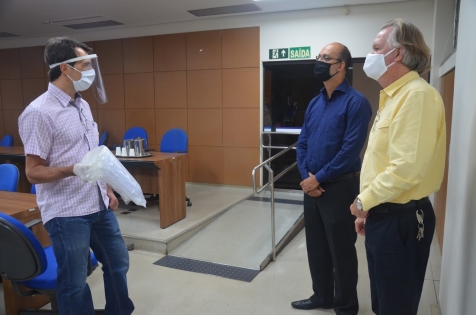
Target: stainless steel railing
267,165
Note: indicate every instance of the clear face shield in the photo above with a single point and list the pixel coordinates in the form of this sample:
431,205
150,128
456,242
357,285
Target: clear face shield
88,67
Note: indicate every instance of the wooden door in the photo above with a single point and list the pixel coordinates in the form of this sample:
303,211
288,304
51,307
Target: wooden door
447,91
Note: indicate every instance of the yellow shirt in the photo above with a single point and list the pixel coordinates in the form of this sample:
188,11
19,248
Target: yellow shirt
405,156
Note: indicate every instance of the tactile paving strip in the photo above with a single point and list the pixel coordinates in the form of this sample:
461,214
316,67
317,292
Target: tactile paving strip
187,264
278,200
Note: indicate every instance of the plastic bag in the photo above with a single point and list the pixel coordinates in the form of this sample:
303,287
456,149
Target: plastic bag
101,164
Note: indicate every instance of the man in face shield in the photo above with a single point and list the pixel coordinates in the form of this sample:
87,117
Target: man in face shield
57,130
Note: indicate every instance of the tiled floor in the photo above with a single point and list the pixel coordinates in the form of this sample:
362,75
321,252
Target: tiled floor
159,290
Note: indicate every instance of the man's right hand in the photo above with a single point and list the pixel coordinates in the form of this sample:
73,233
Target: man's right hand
83,171
360,226
316,192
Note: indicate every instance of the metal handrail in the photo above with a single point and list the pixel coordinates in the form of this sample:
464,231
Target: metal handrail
267,164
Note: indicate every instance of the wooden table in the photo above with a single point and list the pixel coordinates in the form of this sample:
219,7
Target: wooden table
161,174
23,207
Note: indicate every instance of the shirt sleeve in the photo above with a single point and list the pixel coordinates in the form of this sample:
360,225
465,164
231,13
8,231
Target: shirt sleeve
358,116
301,150
412,138
36,133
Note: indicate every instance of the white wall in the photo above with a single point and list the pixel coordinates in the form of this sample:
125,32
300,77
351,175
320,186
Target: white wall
443,39
458,276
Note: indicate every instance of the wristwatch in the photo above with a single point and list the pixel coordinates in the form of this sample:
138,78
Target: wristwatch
359,205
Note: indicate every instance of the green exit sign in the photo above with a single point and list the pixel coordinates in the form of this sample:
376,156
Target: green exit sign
278,53
299,52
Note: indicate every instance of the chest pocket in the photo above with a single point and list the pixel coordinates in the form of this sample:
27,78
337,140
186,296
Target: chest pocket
380,134
335,127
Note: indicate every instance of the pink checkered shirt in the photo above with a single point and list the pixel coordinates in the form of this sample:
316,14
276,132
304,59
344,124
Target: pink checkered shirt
61,134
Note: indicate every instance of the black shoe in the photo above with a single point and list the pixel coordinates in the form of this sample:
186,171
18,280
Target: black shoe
308,305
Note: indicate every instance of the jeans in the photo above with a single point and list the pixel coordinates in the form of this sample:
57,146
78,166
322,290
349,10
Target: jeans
71,238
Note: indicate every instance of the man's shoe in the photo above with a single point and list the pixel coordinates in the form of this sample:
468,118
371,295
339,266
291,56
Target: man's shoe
308,305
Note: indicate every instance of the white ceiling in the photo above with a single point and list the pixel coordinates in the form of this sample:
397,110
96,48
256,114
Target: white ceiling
26,17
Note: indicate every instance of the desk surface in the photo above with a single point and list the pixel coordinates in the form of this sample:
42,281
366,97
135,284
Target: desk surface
15,203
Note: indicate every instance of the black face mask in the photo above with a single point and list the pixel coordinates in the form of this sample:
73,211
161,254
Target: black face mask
322,70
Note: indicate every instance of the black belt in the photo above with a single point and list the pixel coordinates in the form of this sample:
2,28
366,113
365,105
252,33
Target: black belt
390,206
344,177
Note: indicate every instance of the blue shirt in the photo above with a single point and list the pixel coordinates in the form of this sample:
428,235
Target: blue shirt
333,134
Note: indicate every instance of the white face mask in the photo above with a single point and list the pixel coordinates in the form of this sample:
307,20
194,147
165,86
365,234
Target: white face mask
87,78
375,67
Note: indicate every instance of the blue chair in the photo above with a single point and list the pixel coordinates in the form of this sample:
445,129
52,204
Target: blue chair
104,138
33,189
7,141
135,132
175,140
9,176
25,262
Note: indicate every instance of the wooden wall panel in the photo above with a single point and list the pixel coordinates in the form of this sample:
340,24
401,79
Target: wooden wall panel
10,64
139,88
170,52
241,88
238,164
10,122
114,85
241,128
32,88
241,47
89,97
110,56
205,127
171,89
114,122
167,119
138,54
204,89
205,164
2,125
204,50
144,118
32,63
12,94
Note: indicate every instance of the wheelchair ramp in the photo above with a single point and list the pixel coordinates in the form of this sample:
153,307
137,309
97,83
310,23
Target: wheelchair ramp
241,236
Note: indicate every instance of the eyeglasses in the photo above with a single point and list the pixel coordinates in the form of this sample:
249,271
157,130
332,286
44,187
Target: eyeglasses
326,58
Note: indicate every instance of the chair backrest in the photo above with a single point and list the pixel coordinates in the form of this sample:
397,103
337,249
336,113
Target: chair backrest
9,176
7,141
135,132
21,255
33,189
104,138
174,140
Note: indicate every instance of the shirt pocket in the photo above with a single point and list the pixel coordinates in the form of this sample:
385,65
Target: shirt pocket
381,134
335,128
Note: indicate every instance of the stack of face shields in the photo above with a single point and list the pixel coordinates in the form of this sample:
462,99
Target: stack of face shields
101,164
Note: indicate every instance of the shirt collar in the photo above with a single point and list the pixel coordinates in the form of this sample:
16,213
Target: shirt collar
343,87
395,86
61,96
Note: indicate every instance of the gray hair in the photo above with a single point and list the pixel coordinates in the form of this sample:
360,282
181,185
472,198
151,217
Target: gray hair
416,53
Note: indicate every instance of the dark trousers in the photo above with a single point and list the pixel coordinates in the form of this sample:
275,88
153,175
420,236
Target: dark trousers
397,260
330,238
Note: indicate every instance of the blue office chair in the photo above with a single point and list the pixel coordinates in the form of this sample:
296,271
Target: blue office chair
135,132
33,189
104,138
9,176
7,141
175,140
25,262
